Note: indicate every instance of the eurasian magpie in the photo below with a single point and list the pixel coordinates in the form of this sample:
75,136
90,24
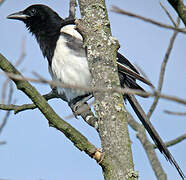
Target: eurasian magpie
62,45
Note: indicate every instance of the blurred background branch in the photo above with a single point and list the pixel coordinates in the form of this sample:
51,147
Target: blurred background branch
8,102
1,2
162,70
121,11
174,141
175,113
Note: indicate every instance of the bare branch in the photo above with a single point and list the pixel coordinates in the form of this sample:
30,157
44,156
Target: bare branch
121,11
175,141
72,9
17,108
168,14
83,110
132,122
4,90
2,142
149,148
17,63
155,163
20,108
180,8
1,2
175,113
4,121
22,54
146,144
99,89
71,133
162,71
101,56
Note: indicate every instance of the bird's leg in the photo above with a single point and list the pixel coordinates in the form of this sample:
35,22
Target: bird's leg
79,104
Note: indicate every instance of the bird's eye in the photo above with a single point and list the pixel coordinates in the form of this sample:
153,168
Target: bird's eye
32,12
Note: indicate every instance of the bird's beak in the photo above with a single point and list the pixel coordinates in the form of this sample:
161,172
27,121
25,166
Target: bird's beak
19,16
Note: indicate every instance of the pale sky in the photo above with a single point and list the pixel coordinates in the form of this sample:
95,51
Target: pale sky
35,151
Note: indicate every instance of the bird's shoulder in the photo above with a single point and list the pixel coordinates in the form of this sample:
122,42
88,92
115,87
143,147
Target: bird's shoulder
71,30
72,39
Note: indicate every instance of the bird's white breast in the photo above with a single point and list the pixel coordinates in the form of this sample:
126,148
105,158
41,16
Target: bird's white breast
70,69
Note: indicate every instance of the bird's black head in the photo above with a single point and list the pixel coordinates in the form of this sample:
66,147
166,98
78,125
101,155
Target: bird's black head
44,23
39,19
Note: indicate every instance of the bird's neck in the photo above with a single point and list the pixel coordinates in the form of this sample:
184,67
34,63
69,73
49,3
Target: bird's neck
47,41
47,36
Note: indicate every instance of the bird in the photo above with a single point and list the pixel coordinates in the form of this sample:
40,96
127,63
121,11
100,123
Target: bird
62,45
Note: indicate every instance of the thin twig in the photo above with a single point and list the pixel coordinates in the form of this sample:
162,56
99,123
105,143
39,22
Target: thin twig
17,63
2,1
168,14
148,146
4,121
175,141
20,108
162,72
84,111
4,90
2,142
72,9
175,113
80,141
180,8
93,89
121,11
22,54
155,163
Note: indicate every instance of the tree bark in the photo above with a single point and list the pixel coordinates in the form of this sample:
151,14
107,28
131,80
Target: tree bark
101,48
180,8
71,133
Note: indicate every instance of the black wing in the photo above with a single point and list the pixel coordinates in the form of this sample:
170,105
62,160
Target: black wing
130,73
153,133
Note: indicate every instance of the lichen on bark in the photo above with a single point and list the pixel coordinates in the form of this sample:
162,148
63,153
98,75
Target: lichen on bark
101,51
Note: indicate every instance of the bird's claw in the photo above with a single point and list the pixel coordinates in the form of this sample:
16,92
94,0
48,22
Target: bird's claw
99,155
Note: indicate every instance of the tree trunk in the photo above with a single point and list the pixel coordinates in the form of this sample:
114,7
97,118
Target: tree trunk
101,47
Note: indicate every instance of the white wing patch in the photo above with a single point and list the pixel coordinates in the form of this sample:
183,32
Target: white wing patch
68,68
71,30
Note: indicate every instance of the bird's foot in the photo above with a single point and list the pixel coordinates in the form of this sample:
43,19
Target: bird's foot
78,107
99,155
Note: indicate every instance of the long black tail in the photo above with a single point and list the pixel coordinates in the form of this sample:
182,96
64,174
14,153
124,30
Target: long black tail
153,133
